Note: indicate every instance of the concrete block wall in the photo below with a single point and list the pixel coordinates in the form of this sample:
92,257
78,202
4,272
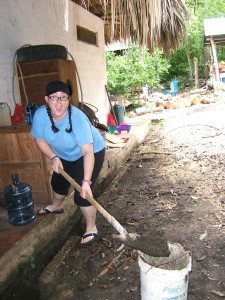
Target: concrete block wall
52,22
93,72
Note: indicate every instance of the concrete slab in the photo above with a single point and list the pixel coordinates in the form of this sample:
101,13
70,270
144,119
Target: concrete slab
47,281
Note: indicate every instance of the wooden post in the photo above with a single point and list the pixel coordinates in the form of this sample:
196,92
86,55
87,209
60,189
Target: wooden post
196,73
213,45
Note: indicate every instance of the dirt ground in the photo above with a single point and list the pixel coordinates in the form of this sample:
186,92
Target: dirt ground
174,182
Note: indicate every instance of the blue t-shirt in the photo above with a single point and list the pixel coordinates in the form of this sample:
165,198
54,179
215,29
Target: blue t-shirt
67,145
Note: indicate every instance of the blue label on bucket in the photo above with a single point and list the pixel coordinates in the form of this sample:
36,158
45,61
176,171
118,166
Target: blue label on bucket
175,293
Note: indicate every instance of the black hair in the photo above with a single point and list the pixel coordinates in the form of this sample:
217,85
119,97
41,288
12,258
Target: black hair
68,130
54,128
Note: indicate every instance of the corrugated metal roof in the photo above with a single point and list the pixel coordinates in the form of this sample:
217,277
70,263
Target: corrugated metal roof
215,28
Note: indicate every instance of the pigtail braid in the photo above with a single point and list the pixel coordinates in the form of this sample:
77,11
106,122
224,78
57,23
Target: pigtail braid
70,120
54,128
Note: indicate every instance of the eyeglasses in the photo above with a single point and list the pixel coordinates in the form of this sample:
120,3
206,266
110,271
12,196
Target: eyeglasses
56,98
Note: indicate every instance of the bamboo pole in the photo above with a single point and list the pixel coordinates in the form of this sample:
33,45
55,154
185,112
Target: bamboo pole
213,45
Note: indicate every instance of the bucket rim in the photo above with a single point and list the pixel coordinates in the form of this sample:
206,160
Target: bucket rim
147,266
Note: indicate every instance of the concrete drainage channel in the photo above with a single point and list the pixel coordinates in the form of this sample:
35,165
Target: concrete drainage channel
154,280
48,287
24,285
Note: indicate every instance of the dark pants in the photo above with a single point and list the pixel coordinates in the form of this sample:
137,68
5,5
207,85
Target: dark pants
76,170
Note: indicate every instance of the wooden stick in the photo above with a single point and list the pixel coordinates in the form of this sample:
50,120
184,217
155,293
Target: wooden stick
154,152
105,214
111,263
111,105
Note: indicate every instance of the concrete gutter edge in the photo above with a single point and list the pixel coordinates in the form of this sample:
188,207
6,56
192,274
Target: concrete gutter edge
33,243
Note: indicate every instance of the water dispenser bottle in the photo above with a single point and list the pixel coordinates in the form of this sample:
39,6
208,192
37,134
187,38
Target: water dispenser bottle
19,202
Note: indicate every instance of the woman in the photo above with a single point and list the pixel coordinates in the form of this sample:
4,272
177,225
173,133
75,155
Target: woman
66,136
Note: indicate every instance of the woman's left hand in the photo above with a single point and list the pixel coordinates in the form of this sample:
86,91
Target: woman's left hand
86,189
56,164
88,153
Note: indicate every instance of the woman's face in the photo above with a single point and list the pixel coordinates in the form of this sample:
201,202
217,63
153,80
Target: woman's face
58,103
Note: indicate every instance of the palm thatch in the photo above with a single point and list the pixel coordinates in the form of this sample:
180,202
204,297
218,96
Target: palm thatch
154,23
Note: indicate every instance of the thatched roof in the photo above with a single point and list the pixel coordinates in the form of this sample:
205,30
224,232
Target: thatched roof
155,23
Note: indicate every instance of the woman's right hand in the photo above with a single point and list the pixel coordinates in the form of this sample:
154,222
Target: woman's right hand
56,164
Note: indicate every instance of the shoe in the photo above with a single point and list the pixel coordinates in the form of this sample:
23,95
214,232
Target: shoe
46,211
89,243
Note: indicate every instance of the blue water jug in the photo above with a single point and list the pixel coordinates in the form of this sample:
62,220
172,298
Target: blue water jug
19,202
174,86
30,111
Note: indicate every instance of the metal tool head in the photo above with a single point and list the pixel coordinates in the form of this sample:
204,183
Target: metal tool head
152,243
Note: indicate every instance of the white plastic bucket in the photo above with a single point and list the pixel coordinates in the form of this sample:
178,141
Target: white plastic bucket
165,278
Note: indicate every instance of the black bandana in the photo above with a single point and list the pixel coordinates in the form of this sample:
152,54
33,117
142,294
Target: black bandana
56,86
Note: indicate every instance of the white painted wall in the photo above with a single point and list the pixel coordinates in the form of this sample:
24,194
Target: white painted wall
53,22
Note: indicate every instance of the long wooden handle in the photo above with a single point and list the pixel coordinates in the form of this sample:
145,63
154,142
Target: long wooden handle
105,214
111,105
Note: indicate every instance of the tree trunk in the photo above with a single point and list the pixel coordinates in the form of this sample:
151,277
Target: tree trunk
213,46
189,62
196,73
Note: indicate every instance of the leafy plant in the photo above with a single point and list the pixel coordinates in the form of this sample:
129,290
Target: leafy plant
182,61
27,264
134,69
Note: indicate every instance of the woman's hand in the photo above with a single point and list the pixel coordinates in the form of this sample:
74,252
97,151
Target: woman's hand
56,164
49,152
88,153
86,189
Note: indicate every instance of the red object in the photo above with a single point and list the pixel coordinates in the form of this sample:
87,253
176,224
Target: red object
19,115
111,120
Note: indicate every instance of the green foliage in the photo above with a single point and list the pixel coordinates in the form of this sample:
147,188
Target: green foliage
134,69
137,68
27,264
182,62
194,4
